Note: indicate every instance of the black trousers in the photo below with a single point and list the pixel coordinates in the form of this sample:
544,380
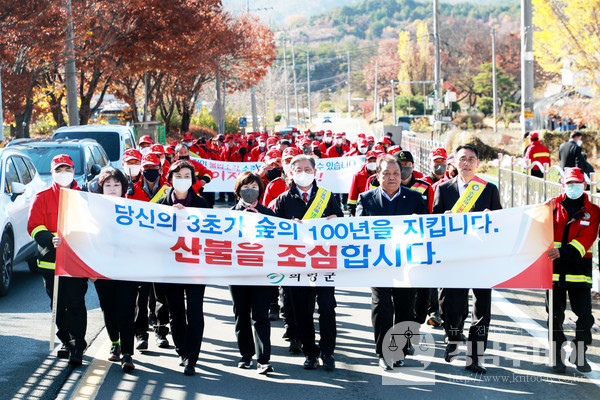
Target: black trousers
162,311
287,311
141,310
303,303
454,309
427,303
185,303
390,306
275,298
537,172
71,313
252,302
581,304
118,301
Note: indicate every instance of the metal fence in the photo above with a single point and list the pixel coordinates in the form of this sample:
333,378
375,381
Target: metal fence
420,149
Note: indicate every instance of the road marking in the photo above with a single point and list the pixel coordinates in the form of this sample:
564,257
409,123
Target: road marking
95,373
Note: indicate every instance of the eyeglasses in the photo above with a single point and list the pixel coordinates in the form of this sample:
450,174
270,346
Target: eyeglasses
467,160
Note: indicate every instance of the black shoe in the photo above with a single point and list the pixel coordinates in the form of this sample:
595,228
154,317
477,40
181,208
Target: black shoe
463,338
245,363
181,361
189,370
63,352
559,367
274,314
141,344
115,352
152,319
76,358
450,352
328,362
311,363
127,363
264,369
578,358
161,341
434,320
399,363
295,346
286,335
384,365
476,367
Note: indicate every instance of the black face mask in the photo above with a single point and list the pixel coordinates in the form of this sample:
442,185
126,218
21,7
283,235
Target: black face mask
184,157
243,151
151,175
406,172
317,152
274,173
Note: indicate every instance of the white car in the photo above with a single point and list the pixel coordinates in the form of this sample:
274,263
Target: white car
19,183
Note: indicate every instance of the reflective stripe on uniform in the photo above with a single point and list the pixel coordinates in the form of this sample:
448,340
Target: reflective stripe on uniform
578,246
46,265
37,230
557,245
351,202
578,278
541,155
555,277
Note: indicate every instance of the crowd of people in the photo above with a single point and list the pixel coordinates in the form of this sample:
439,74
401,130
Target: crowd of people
285,186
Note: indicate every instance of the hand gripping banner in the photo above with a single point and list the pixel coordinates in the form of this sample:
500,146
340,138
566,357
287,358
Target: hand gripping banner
114,238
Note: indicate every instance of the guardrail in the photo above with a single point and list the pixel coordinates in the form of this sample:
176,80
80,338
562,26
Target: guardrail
420,149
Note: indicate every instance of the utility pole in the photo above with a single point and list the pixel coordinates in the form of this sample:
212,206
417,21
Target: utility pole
295,88
285,83
436,71
349,91
526,66
376,101
252,92
494,80
145,96
218,111
70,71
308,81
394,103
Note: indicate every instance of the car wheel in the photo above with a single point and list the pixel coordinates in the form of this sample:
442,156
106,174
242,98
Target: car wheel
32,264
6,263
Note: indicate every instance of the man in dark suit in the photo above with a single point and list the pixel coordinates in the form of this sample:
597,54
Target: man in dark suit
390,306
569,153
466,193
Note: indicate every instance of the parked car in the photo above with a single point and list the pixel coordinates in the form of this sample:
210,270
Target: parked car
87,155
327,119
115,139
19,183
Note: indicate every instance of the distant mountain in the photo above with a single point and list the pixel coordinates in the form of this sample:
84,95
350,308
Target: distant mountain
281,12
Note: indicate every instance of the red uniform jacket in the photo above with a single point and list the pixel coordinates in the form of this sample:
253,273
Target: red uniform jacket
140,194
273,190
359,184
538,152
332,152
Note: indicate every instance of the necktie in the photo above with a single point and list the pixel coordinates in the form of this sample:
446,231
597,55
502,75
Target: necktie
305,197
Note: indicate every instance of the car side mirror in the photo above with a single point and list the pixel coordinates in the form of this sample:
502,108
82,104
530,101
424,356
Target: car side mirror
16,189
95,170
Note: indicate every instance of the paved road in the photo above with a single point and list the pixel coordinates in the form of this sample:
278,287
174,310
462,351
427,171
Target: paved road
352,126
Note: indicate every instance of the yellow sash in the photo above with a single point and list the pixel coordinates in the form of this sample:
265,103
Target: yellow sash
317,208
469,196
162,192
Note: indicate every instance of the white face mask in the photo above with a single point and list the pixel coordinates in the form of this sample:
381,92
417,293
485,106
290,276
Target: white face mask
328,139
182,185
362,150
339,141
372,166
286,168
63,178
579,142
304,179
188,144
132,169
145,151
261,144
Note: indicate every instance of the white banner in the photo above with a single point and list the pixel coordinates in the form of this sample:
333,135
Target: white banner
334,174
116,238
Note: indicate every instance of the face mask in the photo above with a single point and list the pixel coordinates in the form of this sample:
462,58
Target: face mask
151,175
249,142
63,178
328,139
319,137
145,151
317,152
406,172
249,195
274,173
185,158
307,151
304,179
286,169
362,150
574,190
230,144
338,141
372,166
579,142
261,144
187,144
132,170
182,185
439,169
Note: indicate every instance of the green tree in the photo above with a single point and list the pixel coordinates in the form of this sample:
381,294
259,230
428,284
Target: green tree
483,82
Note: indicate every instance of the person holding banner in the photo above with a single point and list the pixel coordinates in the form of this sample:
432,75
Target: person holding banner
252,301
575,230
185,301
466,193
306,200
71,313
390,306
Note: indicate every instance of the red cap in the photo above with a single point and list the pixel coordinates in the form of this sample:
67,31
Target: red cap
370,154
271,140
362,143
328,133
272,156
157,149
188,136
440,152
170,150
315,144
132,154
250,137
534,136
146,139
61,159
385,139
370,139
173,143
362,136
305,142
573,175
229,138
338,136
378,152
394,149
290,152
150,159
379,147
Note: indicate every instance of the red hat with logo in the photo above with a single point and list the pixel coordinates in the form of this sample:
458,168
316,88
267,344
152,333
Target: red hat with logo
573,175
173,143
305,142
440,152
371,139
384,140
132,154
272,156
157,149
271,141
170,150
150,159
61,159
362,136
250,137
328,133
338,136
290,152
188,136
315,144
146,139
229,138
394,149
370,154
534,136
362,143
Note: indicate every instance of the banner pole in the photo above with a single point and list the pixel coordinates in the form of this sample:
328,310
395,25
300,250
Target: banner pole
54,304
551,327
